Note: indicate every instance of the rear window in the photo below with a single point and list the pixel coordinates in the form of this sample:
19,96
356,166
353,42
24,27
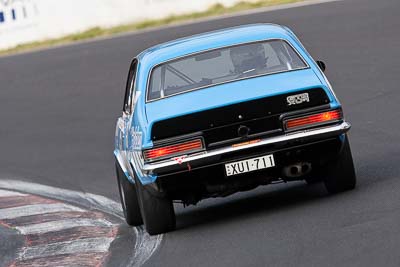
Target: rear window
221,66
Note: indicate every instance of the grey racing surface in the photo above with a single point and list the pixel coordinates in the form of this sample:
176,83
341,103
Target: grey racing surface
58,110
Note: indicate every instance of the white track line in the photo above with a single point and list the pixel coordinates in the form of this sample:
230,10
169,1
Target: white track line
90,201
145,245
100,245
55,226
6,193
29,210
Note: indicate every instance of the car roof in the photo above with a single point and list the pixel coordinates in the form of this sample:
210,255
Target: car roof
211,40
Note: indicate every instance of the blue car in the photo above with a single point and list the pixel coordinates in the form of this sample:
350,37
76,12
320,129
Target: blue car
222,112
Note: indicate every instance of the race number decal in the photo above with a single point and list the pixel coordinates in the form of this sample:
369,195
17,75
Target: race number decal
297,99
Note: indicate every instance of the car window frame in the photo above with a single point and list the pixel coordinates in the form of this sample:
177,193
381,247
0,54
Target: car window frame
130,88
288,42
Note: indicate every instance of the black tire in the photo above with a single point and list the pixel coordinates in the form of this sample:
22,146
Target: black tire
157,212
129,199
340,175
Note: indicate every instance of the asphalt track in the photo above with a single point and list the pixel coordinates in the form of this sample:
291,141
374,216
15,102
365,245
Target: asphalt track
58,109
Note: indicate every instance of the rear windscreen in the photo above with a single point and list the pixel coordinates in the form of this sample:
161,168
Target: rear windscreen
221,66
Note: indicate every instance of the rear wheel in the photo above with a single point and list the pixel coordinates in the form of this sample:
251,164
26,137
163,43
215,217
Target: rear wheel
157,211
340,175
129,199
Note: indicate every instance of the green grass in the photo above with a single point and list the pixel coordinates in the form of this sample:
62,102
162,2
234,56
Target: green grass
214,10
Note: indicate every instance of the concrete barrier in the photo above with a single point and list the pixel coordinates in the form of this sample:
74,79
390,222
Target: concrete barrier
23,21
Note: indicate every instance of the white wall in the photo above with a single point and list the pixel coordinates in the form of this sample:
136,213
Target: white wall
23,21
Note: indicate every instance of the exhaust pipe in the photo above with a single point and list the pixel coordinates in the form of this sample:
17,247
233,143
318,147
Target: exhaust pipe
297,170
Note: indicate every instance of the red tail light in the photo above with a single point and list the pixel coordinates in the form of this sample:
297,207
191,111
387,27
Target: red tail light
173,150
312,120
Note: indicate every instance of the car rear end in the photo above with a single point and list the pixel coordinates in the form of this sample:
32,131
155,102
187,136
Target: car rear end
261,121
237,147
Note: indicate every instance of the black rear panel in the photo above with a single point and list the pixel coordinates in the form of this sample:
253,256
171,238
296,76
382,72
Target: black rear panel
220,125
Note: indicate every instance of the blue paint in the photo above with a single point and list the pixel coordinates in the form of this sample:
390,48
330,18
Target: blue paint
1,16
230,93
211,40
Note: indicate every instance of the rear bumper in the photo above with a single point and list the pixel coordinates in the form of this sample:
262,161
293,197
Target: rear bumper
208,157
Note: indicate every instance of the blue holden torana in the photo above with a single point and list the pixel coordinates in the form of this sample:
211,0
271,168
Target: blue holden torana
222,112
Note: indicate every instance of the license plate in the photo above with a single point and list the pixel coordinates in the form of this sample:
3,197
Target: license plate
249,165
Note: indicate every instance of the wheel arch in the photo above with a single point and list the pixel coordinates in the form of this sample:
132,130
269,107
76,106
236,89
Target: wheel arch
124,167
